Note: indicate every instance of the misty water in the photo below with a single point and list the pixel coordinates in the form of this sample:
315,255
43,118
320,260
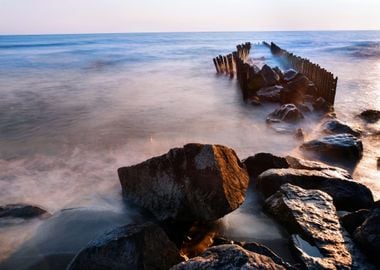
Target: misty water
74,108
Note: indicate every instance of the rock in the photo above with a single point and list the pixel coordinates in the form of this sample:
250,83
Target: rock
347,194
24,211
368,236
371,116
353,220
143,246
299,134
378,163
228,257
334,126
279,73
321,105
290,75
264,161
296,89
194,183
270,76
254,100
256,82
319,239
270,94
303,108
337,148
288,113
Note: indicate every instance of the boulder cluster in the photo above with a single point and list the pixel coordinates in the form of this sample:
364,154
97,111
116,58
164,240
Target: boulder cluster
189,189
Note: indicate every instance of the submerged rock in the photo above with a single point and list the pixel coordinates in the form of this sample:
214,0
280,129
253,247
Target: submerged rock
334,126
340,148
194,183
311,214
144,246
225,257
347,194
368,236
371,116
287,113
24,211
264,161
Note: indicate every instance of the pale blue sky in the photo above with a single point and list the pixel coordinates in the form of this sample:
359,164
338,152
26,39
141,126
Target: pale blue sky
91,16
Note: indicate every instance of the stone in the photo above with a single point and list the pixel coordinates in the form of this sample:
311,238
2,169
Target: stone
370,116
343,148
143,246
299,134
287,113
225,257
279,73
290,75
255,83
348,195
296,89
24,211
318,237
270,76
270,94
263,161
321,105
353,220
304,164
334,126
198,182
368,236
254,100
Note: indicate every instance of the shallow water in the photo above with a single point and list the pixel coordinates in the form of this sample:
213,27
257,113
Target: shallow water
74,108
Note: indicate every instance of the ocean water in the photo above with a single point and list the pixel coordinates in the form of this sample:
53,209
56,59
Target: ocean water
74,108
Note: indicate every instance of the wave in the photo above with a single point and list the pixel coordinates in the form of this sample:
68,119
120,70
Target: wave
361,49
36,45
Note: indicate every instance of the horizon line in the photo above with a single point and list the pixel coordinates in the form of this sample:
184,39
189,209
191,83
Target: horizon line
178,32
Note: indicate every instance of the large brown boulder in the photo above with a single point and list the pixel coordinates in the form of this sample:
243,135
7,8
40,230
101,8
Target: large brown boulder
320,241
195,183
226,257
143,246
371,116
347,194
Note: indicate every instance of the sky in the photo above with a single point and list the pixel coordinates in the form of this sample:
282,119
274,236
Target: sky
119,16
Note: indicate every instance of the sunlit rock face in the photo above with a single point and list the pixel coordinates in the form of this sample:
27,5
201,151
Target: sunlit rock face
321,242
225,257
143,246
346,193
337,148
194,183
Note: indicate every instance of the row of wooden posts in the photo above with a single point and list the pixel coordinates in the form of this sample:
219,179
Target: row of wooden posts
324,80
236,63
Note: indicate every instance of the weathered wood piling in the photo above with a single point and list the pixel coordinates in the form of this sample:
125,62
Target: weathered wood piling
237,63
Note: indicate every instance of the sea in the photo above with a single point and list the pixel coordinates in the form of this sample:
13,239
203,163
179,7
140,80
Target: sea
74,108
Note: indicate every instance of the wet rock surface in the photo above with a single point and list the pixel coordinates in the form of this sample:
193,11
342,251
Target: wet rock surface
336,148
270,76
370,116
264,161
24,211
287,113
194,183
143,246
311,216
368,235
353,220
347,194
335,126
297,88
228,257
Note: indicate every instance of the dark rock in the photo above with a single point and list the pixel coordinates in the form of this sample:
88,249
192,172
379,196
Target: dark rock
311,215
334,126
24,211
368,236
290,75
321,105
279,73
299,134
303,108
225,257
270,94
270,76
194,183
287,113
378,163
296,89
304,164
254,100
263,161
339,148
353,220
347,194
143,246
255,83
371,116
